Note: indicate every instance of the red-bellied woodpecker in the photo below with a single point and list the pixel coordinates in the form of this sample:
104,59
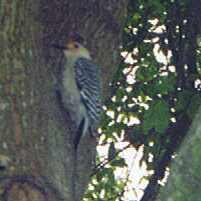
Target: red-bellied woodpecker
80,91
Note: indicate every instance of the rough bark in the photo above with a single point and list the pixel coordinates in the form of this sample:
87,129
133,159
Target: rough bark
185,174
37,159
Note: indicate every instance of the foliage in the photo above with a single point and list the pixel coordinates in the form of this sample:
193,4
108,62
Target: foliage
157,83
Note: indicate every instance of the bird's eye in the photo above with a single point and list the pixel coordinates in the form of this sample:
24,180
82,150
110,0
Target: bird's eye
76,45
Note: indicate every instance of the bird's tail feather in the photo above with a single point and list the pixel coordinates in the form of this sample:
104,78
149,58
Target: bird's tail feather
81,131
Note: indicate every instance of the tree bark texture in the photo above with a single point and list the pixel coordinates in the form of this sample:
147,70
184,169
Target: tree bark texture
184,183
37,158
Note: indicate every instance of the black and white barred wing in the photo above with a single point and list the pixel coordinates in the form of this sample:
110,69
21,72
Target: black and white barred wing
87,76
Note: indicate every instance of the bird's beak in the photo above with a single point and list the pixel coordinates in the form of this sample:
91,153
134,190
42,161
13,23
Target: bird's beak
60,47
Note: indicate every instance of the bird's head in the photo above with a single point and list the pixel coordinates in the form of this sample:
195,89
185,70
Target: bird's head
73,49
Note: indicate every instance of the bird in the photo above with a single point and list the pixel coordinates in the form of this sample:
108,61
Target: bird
80,89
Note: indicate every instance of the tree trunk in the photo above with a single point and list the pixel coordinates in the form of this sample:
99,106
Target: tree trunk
37,158
185,173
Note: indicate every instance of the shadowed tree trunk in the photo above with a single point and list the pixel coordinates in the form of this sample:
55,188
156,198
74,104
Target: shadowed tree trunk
185,173
37,159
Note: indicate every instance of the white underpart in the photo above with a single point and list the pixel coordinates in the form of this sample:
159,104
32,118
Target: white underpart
71,95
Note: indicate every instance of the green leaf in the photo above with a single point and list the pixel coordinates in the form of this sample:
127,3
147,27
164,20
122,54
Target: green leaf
106,173
120,94
120,162
145,73
183,100
165,84
112,151
157,117
194,105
